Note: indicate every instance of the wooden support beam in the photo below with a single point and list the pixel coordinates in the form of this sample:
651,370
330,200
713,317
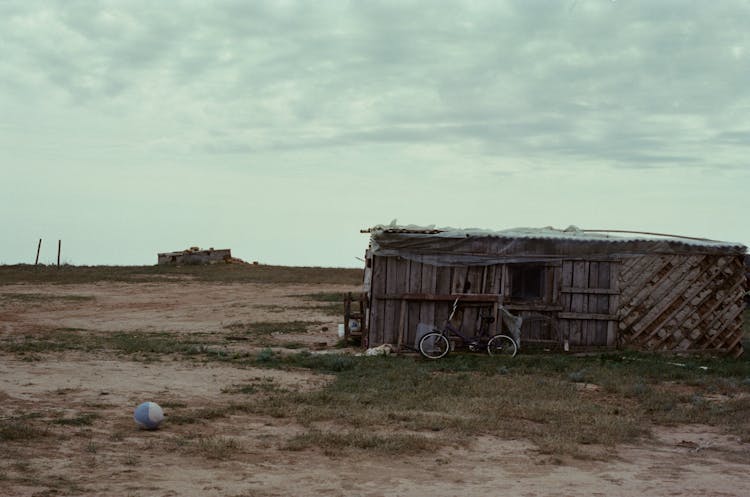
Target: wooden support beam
432,297
592,291
587,315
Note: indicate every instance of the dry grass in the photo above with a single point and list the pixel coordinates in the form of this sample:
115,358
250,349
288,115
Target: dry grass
579,406
225,273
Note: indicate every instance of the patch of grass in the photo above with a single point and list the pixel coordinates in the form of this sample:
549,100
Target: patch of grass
53,341
561,403
276,309
155,343
292,345
215,447
85,419
334,443
63,339
264,385
202,415
267,328
42,298
20,428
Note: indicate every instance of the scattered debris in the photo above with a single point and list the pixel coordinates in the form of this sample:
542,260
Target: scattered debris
385,349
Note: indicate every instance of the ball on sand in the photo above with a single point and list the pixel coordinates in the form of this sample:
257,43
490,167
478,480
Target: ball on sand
148,415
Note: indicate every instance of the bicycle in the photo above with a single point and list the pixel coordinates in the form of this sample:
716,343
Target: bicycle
436,344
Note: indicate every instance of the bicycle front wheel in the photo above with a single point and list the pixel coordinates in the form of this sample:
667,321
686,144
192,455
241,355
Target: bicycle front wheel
502,345
434,345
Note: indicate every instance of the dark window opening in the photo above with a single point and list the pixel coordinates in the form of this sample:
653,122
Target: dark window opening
527,281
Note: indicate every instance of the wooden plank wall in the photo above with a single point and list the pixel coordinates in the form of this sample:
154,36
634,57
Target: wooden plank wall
682,302
392,276
589,298
655,302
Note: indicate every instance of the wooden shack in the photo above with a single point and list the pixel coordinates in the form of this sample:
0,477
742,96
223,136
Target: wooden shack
594,289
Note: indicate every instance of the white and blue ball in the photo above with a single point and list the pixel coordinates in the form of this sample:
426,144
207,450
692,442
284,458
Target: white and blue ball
148,415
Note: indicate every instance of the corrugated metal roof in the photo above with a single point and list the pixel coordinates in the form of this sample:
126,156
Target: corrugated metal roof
572,233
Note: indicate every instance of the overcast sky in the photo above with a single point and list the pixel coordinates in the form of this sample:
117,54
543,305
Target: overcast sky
280,129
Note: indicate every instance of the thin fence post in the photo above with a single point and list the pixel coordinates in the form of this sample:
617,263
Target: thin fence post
38,248
59,243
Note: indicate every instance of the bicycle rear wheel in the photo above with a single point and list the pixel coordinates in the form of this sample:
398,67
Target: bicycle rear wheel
502,345
434,345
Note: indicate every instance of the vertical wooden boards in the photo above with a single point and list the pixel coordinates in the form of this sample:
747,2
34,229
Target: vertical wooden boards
661,301
471,314
565,299
578,303
397,277
492,279
556,284
429,284
585,299
598,303
549,284
413,309
505,288
377,306
613,329
444,276
601,303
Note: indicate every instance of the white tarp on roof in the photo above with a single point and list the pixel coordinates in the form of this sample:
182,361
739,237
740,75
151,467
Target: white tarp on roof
569,233
453,246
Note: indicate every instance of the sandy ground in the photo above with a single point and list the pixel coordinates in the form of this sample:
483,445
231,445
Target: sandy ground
111,457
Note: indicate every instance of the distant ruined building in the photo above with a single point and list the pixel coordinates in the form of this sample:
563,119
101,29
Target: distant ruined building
196,256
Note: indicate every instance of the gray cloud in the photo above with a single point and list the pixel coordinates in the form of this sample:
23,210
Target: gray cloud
614,82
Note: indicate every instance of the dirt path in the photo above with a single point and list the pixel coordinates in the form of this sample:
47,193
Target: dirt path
107,455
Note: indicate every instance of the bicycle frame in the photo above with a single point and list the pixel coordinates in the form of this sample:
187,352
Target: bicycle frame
465,339
437,343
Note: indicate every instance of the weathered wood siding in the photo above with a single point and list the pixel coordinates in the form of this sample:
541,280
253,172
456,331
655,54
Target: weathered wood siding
394,276
682,302
649,302
590,295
